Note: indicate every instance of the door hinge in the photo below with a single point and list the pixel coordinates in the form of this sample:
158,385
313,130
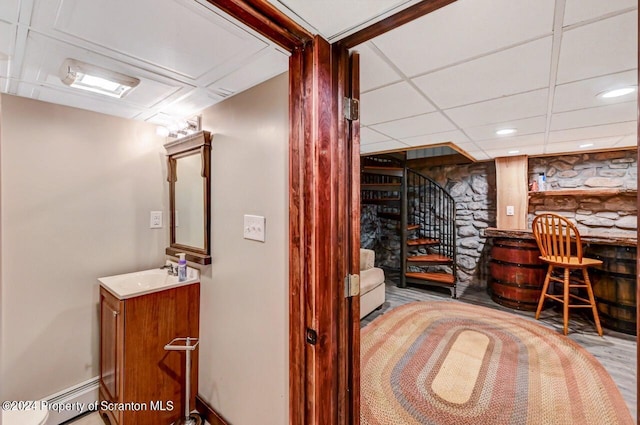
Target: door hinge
351,109
351,285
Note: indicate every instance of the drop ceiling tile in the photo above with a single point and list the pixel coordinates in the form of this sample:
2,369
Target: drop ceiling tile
516,70
382,146
9,10
581,145
479,155
7,40
332,17
368,136
374,71
508,108
513,142
455,137
430,123
392,102
53,95
192,104
630,140
584,93
595,132
259,68
600,48
608,114
181,37
524,127
521,150
583,10
465,29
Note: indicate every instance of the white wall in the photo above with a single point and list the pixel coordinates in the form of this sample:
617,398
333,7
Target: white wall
244,320
76,191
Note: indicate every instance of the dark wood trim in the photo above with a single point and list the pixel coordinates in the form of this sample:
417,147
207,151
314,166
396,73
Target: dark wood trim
436,161
394,21
208,412
267,20
638,235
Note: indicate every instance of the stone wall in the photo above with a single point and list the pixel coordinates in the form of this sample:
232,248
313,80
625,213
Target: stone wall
592,213
473,188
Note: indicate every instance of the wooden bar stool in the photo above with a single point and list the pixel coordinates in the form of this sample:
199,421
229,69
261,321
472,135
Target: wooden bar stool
560,246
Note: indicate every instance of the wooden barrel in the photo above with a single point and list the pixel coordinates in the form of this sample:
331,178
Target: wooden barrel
614,286
516,273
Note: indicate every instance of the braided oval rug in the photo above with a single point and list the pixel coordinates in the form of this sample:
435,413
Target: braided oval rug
453,363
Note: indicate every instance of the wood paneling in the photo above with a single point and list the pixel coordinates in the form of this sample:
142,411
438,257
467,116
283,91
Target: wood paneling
512,190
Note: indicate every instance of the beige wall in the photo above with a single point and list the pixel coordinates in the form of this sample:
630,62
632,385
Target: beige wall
244,363
76,188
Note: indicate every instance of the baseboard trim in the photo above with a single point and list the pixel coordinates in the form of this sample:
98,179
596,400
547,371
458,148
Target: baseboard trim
209,413
82,397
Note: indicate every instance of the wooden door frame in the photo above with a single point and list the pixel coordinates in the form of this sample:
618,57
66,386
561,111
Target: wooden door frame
321,392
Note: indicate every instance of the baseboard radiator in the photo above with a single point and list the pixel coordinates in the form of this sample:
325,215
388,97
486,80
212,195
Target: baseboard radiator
80,398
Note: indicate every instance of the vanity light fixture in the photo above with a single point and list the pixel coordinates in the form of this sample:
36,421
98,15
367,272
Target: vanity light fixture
609,94
95,79
506,131
180,128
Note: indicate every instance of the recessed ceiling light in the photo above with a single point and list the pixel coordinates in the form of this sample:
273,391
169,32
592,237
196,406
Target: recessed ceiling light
95,79
514,152
617,92
506,131
586,145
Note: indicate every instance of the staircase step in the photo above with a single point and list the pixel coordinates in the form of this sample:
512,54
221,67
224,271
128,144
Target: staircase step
390,216
412,227
422,241
445,278
380,201
429,258
383,170
382,187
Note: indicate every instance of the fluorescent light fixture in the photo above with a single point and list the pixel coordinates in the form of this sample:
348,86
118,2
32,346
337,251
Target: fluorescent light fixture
514,152
506,131
586,145
95,79
609,94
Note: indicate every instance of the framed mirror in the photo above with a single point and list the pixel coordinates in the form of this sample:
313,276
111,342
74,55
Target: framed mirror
189,177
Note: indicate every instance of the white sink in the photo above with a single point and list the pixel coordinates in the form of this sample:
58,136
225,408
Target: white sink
134,284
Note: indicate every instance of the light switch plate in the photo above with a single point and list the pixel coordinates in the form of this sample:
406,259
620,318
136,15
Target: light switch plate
510,210
155,220
254,227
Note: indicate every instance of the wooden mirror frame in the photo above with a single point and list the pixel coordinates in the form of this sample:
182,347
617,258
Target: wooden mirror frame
193,144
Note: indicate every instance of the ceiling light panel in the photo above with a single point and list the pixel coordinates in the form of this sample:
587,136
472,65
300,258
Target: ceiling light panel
463,30
583,10
516,70
600,48
430,123
392,102
508,108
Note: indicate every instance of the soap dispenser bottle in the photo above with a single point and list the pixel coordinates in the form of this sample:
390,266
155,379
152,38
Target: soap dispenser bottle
182,268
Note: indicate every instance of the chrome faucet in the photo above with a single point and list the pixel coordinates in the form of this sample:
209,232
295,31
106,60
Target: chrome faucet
172,271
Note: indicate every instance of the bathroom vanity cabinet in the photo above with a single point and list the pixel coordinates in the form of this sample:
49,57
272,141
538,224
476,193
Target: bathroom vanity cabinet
140,382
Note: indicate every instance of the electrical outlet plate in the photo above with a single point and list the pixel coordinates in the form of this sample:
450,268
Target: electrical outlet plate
254,227
510,210
155,220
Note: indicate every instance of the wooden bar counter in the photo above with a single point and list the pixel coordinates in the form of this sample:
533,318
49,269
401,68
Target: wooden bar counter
516,277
